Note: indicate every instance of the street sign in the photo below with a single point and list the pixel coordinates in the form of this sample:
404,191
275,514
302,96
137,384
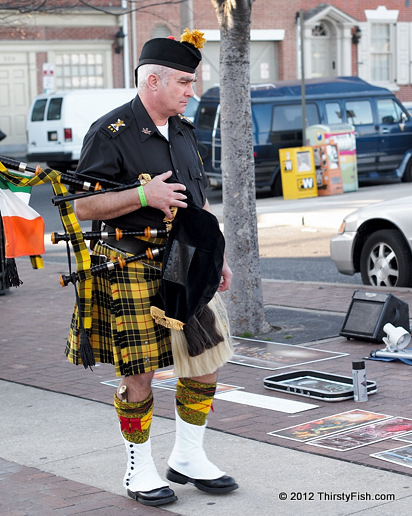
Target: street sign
48,77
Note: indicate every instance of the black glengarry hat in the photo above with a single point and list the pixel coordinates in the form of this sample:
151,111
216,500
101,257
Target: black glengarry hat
181,55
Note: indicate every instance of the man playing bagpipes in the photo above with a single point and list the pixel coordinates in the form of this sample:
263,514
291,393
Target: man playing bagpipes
162,310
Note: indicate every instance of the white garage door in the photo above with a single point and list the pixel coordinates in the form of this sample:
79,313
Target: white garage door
14,102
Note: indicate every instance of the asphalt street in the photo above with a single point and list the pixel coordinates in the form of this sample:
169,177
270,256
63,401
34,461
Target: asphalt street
296,253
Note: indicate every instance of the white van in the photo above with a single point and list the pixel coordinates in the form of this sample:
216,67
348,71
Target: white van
58,122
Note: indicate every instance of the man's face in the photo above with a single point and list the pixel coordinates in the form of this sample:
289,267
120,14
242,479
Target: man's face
176,94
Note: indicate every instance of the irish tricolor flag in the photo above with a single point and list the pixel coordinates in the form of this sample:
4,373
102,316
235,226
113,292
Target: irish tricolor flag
23,226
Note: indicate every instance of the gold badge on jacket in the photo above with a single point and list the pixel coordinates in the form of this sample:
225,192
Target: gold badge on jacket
116,126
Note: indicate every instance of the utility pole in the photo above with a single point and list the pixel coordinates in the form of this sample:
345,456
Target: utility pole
126,48
302,68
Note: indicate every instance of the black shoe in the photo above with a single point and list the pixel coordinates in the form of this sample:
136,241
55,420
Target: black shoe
223,484
154,497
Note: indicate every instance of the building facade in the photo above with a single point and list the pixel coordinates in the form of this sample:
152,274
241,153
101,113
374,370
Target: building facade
68,44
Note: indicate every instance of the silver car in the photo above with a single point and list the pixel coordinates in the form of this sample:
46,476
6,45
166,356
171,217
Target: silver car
377,242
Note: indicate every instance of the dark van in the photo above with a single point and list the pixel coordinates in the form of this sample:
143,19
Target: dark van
383,126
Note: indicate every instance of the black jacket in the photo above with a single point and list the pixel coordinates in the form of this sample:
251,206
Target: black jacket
125,143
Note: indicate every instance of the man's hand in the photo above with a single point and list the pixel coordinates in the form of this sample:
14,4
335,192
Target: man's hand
226,277
158,193
162,195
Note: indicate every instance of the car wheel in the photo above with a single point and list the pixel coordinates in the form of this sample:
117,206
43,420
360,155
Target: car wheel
407,176
386,260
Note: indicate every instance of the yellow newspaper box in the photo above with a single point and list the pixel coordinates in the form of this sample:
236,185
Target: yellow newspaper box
297,168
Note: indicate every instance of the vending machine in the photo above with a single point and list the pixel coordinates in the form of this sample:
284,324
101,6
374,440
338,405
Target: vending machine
343,135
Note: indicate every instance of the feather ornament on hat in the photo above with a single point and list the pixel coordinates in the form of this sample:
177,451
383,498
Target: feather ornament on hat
194,37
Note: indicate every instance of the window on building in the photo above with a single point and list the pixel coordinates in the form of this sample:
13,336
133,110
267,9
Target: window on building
381,52
320,30
79,70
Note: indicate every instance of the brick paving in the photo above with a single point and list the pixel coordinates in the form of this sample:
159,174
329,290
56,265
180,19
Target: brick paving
35,320
29,491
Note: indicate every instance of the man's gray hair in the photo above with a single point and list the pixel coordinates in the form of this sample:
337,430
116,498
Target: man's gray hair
163,72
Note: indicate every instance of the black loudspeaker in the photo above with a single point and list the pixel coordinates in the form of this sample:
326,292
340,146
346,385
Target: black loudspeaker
369,312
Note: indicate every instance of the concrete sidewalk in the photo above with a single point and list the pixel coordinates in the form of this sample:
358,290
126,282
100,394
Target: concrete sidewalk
78,440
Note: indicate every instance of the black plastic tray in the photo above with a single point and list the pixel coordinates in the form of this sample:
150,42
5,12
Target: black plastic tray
315,384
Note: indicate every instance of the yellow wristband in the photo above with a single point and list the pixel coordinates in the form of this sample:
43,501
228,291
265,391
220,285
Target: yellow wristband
142,196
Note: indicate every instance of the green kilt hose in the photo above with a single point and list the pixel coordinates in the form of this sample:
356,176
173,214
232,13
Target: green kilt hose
123,332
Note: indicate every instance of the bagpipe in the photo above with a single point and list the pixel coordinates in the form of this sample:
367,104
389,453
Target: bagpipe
27,177
192,262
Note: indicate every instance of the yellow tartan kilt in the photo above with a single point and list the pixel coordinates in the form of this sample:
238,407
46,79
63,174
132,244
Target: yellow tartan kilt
123,332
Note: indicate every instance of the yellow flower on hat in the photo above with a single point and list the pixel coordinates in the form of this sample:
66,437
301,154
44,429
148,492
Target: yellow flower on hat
194,37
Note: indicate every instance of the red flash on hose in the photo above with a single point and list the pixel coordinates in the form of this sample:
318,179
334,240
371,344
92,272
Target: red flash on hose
130,425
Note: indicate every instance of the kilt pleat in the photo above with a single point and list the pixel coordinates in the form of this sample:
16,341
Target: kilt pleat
123,332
